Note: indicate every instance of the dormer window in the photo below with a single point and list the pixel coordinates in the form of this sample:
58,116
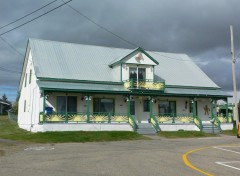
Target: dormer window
137,73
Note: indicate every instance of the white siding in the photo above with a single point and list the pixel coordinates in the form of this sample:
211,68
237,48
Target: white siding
144,61
31,94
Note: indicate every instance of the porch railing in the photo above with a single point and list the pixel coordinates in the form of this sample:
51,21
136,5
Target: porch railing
173,118
82,117
155,123
133,123
198,123
144,84
224,119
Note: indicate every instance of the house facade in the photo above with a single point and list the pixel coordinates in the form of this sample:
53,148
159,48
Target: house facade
69,87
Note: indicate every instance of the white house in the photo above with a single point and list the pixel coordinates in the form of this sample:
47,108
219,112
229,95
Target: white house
66,86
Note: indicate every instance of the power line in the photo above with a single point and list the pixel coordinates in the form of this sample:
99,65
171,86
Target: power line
35,18
11,46
100,26
121,38
8,70
27,14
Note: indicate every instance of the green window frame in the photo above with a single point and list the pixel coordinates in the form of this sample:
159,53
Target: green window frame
67,104
167,107
103,105
191,107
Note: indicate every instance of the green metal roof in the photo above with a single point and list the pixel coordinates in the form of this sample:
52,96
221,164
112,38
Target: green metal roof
61,60
78,86
197,92
119,88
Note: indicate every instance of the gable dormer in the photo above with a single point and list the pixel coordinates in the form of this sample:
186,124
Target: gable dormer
137,70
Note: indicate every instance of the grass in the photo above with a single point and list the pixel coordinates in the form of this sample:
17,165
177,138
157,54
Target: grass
10,130
185,134
232,132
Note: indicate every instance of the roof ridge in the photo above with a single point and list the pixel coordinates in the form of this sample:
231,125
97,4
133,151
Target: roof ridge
36,39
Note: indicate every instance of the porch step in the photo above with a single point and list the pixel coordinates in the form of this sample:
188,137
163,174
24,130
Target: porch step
209,128
145,128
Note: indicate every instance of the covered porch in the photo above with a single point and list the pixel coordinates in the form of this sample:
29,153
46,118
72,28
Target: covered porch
82,108
91,103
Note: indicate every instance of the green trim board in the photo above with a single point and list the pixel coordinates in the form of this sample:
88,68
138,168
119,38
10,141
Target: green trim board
192,87
77,81
120,83
119,89
139,49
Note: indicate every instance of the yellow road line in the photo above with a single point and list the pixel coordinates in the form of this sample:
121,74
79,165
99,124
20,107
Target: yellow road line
186,161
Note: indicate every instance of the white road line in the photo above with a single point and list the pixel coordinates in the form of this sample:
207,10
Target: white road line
223,163
227,150
39,148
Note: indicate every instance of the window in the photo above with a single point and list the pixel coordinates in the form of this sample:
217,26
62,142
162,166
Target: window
137,73
103,105
146,107
25,79
66,104
167,107
30,77
132,107
24,110
133,73
141,73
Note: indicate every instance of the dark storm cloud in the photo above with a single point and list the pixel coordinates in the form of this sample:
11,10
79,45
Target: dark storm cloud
197,28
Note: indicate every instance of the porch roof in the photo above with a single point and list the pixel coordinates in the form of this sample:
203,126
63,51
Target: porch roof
80,86
119,88
197,92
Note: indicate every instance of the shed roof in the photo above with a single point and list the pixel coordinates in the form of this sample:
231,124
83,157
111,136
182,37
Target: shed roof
118,88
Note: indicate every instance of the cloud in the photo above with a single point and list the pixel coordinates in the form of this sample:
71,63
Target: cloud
197,28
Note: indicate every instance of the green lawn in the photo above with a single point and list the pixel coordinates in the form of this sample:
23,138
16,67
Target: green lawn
185,134
10,130
232,132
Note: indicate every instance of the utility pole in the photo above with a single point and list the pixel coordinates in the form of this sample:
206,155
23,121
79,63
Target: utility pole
234,78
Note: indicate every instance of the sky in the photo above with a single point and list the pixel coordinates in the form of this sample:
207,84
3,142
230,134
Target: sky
200,29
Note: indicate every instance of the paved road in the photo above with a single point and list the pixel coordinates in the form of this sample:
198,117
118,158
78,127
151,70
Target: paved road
125,158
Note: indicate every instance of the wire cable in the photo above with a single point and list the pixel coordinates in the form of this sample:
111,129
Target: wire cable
100,26
11,46
8,70
35,18
27,14
121,38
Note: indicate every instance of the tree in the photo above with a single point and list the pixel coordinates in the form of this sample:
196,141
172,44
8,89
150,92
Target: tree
4,97
14,109
7,106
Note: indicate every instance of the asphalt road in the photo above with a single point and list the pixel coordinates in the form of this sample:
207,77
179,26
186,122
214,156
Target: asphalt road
158,156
